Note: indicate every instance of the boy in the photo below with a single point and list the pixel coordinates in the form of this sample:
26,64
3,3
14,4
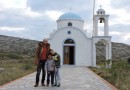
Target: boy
50,68
56,58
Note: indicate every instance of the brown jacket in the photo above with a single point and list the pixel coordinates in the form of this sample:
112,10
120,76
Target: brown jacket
39,50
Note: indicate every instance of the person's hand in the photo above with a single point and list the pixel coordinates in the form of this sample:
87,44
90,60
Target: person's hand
36,62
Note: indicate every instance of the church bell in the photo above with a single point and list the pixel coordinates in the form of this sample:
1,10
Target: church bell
101,20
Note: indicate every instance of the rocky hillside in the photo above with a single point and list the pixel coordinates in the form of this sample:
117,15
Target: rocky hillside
17,45
27,47
119,51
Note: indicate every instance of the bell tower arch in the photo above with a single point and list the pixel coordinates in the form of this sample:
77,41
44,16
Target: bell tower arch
100,17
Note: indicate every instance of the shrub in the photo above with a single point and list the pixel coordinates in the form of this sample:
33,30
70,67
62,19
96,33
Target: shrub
14,56
15,70
117,75
27,66
10,55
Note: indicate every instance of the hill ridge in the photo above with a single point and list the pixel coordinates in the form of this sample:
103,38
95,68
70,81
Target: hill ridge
28,47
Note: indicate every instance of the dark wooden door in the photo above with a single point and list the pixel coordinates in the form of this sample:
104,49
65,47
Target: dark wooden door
66,55
69,55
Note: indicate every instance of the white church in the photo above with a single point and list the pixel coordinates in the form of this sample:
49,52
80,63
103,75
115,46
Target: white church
70,40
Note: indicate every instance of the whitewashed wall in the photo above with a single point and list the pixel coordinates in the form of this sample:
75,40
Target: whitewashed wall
76,23
83,47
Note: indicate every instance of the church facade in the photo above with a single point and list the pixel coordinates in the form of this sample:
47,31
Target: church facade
70,40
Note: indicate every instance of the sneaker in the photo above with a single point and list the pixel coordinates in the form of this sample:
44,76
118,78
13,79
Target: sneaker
52,85
36,85
43,84
55,84
47,85
58,85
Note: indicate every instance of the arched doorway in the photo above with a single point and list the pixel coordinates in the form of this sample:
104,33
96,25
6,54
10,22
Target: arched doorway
69,52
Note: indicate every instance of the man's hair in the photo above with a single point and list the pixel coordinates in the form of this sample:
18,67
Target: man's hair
45,39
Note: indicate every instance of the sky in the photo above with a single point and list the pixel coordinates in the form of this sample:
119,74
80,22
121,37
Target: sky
36,19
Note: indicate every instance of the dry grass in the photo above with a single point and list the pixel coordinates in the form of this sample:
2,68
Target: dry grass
118,75
14,69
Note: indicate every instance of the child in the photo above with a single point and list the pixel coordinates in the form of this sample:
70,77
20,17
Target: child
50,68
56,58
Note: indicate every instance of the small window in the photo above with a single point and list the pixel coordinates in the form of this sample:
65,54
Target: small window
69,24
69,41
69,32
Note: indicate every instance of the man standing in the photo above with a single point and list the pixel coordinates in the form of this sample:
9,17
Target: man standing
41,54
56,58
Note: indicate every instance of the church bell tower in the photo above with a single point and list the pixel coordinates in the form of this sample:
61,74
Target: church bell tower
100,17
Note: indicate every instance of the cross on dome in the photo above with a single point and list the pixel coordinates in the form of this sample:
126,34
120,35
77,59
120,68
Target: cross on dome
100,6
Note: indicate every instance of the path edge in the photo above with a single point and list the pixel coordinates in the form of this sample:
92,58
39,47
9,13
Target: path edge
14,80
106,82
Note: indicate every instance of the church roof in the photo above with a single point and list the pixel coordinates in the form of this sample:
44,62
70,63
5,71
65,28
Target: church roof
70,15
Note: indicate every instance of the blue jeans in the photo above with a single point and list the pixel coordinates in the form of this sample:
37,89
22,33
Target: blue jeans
57,76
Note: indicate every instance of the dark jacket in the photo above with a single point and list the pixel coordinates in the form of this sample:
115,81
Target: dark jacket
56,58
50,65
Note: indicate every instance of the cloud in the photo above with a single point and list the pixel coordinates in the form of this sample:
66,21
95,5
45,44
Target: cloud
28,12
54,15
117,4
123,38
19,7
12,29
62,5
115,33
5,4
120,33
126,37
82,7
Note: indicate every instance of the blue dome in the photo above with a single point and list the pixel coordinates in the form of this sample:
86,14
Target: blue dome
70,15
